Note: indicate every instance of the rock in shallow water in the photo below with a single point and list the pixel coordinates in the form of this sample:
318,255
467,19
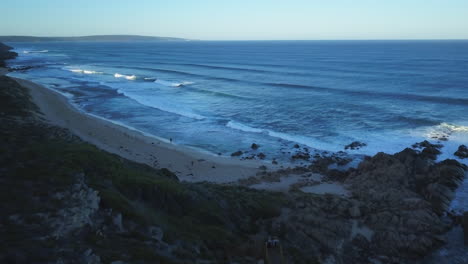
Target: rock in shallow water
355,145
237,153
462,152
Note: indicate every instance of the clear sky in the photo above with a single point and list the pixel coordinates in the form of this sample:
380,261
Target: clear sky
239,19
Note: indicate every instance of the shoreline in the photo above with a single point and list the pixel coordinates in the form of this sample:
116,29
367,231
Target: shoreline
188,164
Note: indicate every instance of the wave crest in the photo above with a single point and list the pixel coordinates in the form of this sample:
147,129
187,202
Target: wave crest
243,127
35,51
128,77
289,137
85,71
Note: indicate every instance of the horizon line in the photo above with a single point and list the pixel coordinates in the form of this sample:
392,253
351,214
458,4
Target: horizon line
188,39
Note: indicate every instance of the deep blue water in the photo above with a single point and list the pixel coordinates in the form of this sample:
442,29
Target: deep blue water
320,94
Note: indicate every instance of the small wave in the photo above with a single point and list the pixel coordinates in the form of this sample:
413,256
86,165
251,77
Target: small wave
288,137
161,104
445,130
181,84
91,72
243,127
35,51
128,77
172,84
85,71
454,128
226,68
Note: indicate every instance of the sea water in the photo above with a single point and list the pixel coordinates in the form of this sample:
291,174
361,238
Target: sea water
223,96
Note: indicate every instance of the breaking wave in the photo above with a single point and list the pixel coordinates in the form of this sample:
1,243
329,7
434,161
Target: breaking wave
172,84
128,77
243,127
35,51
85,71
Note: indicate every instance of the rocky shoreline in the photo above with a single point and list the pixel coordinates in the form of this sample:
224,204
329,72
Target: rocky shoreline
65,201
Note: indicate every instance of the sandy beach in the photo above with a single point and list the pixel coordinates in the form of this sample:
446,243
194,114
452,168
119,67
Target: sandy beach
187,164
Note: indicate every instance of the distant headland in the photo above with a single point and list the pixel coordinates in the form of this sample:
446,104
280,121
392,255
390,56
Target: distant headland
94,38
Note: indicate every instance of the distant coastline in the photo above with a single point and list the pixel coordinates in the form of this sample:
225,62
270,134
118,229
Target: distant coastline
93,38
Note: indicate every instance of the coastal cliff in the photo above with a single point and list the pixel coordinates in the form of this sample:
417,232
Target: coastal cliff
66,201
6,54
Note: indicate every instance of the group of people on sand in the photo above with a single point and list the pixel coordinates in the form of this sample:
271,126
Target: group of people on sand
272,242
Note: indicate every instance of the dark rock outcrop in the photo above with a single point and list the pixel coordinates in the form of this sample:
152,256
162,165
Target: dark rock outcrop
6,54
426,144
404,196
254,146
462,152
430,150
237,153
355,145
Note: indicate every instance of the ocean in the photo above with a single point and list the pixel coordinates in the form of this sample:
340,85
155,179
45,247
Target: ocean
220,97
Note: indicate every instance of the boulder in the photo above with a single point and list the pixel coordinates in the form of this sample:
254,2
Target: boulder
462,152
355,145
426,144
237,153
254,146
431,152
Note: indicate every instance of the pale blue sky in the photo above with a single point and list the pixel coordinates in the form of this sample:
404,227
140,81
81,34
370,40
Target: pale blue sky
239,19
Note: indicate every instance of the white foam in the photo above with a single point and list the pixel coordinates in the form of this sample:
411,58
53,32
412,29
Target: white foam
35,51
445,130
91,72
181,84
308,141
128,77
173,84
85,71
243,127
